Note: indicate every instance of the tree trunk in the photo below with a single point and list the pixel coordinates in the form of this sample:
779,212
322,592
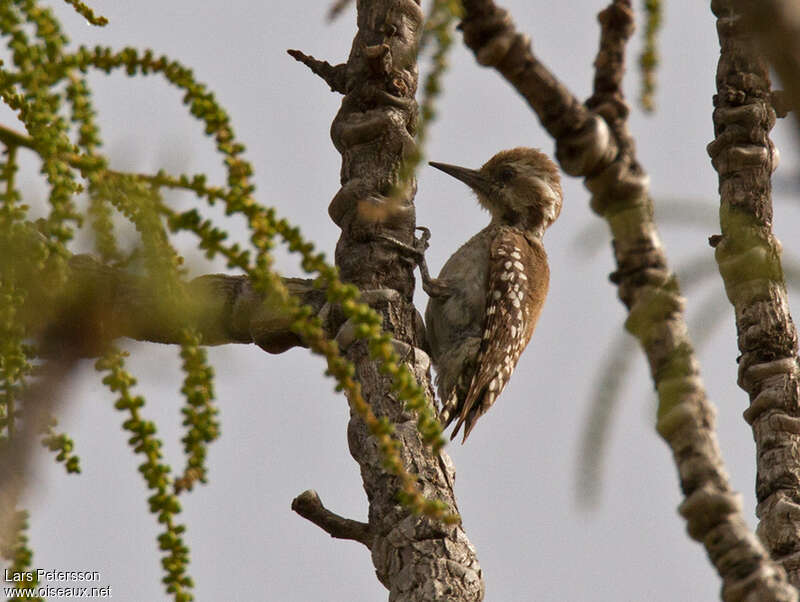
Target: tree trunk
416,558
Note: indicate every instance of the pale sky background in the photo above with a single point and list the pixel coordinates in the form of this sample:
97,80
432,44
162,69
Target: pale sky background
283,427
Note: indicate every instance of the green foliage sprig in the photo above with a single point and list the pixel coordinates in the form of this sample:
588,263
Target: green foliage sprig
87,13
40,81
20,556
38,107
38,103
99,211
164,503
14,362
439,25
63,444
366,319
200,413
648,60
368,326
262,222
138,199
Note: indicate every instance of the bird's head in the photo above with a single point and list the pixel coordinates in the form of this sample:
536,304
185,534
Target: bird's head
519,187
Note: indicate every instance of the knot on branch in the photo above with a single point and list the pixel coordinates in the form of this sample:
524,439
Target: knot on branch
365,214
656,304
619,184
612,108
766,376
769,399
641,274
741,142
584,150
748,116
706,507
378,58
775,512
684,414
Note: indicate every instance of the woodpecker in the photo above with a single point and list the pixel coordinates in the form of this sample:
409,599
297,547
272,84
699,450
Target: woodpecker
484,305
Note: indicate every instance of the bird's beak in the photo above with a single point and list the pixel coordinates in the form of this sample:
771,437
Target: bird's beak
471,177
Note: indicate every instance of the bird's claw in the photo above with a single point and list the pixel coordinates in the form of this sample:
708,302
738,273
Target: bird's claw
416,254
416,249
432,286
422,241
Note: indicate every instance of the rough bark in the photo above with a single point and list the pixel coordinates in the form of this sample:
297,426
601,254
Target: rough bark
748,255
414,557
593,141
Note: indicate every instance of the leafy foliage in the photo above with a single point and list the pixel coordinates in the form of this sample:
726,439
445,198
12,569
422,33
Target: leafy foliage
46,87
19,554
648,60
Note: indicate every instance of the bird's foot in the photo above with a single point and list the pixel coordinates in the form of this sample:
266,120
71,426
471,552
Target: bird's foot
432,286
421,243
416,251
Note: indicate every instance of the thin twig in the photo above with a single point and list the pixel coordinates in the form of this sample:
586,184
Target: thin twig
334,76
309,506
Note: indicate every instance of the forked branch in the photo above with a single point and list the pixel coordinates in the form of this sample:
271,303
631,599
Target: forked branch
594,142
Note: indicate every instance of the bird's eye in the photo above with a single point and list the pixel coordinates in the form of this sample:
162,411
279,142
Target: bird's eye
505,175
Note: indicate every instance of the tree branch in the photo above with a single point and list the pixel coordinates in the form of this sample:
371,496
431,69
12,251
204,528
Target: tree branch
334,76
101,303
647,287
748,255
608,99
309,506
583,145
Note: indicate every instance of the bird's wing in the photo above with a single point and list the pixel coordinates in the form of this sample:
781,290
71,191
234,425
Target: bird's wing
518,281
